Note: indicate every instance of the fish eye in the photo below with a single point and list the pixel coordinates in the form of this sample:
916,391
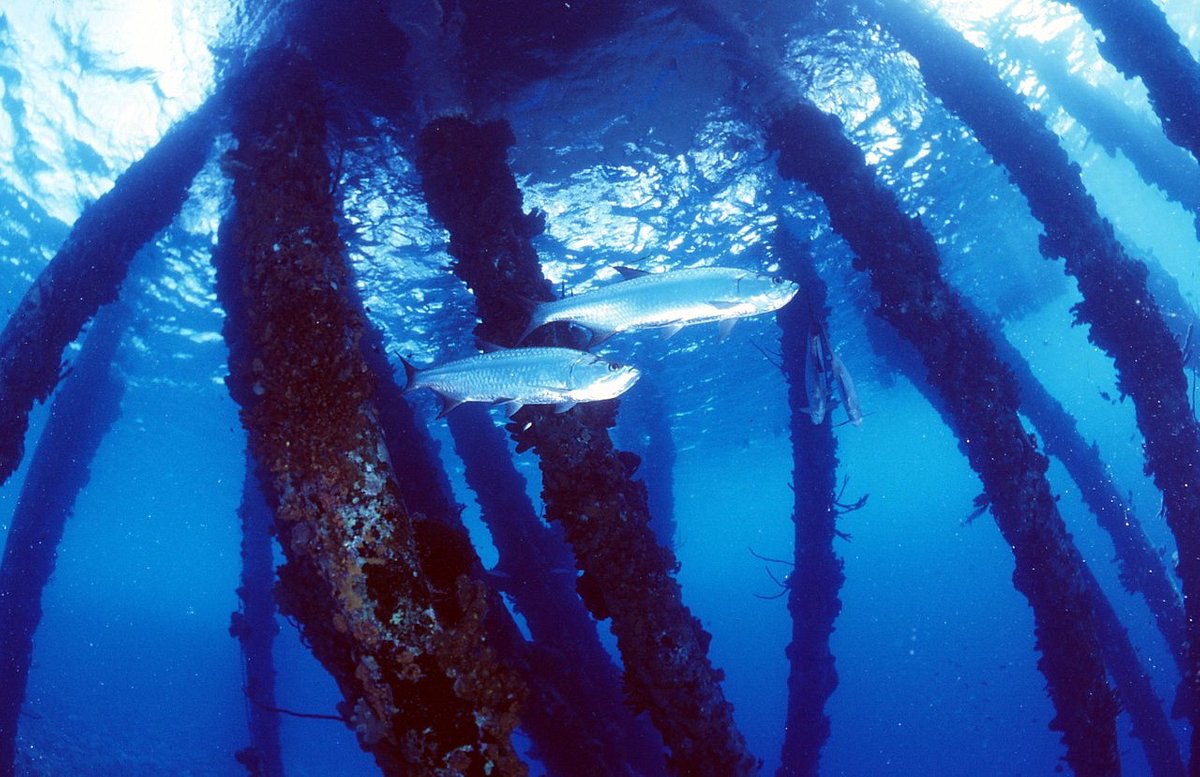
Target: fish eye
777,280
613,366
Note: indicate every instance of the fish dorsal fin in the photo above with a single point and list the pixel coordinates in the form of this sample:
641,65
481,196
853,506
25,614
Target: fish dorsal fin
629,273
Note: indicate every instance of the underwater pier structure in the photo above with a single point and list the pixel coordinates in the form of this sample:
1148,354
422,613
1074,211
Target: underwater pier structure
86,404
587,487
598,733
816,578
253,626
1116,127
88,270
1123,318
423,689
1135,37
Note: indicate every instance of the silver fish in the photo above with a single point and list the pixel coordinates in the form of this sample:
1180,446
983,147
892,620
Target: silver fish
515,377
669,300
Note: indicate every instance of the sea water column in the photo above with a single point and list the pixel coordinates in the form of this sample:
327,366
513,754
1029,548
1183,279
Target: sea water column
980,397
1136,38
84,408
817,577
586,486
1123,317
423,691
88,269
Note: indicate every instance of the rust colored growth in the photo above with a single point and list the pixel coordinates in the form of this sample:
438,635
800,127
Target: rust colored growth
423,690
586,485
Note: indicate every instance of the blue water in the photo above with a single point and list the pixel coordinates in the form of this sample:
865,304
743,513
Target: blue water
640,153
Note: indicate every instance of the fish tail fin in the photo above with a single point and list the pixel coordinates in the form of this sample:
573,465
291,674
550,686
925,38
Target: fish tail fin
537,319
410,373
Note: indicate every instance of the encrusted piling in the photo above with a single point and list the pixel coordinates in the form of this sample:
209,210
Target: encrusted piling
980,396
590,730
1136,38
1114,126
253,626
1121,314
1141,570
88,269
816,577
404,640
86,405
587,486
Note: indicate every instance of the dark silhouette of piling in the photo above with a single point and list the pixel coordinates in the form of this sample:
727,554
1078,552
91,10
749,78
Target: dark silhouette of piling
1114,126
378,597
86,405
594,733
980,397
587,487
253,626
88,269
1138,41
816,577
1122,316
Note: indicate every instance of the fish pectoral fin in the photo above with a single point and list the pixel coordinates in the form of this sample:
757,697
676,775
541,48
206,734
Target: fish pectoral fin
599,337
511,406
564,406
629,273
670,330
724,328
448,403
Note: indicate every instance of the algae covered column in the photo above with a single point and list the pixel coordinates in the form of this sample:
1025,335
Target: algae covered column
88,269
587,487
84,408
1122,316
1139,42
817,577
422,689
981,400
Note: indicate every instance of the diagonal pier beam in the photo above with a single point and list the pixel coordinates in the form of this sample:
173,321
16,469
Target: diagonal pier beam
88,269
587,488
1122,316
377,595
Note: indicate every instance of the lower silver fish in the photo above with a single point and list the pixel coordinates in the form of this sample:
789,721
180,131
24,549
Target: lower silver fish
669,300
515,377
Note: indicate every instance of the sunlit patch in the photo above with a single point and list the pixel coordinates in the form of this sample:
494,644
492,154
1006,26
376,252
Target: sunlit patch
99,85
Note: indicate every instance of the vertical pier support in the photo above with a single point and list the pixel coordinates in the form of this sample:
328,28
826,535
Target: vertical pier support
405,642
586,486
1121,314
817,577
980,396
85,407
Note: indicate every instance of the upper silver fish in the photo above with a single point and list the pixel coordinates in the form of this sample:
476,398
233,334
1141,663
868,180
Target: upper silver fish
524,376
669,300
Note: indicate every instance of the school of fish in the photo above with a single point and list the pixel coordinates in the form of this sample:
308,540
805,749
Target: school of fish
669,301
